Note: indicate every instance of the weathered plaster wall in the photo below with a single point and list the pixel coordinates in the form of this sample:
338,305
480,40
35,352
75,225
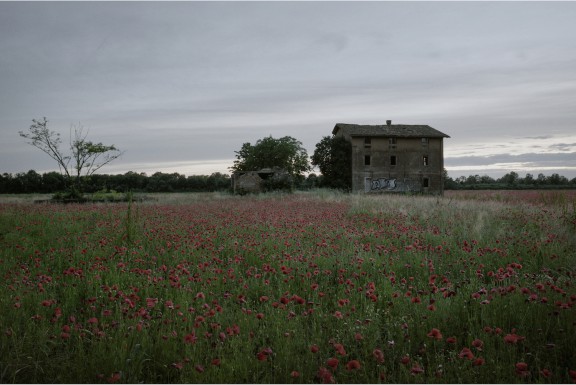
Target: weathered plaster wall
409,173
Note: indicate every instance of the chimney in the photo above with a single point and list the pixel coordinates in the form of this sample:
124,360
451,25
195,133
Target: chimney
388,123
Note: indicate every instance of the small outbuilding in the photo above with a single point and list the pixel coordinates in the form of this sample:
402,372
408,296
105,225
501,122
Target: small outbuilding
246,182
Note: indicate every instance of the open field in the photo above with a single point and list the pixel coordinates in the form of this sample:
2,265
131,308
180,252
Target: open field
302,288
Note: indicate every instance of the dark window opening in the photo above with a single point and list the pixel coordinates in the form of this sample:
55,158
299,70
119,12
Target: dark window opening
425,160
424,142
367,160
426,182
393,160
392,142
367,142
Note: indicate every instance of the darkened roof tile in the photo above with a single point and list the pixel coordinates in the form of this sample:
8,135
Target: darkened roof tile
393,130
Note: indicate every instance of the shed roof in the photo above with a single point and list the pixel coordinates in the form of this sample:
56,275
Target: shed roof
393,130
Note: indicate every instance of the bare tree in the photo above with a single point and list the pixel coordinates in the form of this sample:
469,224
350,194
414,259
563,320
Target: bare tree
84,158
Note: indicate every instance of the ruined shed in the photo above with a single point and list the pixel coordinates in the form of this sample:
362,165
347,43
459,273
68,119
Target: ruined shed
247,182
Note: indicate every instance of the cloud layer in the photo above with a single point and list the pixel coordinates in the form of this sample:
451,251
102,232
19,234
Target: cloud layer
182,85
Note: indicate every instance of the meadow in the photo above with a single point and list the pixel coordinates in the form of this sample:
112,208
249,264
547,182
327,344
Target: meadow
314,287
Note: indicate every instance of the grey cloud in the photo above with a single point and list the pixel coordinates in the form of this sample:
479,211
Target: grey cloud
213,75
564,146
547,159
538,137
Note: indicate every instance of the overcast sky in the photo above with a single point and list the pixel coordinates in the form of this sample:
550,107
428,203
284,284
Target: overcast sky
180,86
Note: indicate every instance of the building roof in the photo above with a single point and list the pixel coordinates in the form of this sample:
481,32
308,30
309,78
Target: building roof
392,130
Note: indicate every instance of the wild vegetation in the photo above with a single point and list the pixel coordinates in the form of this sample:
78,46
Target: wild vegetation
300,288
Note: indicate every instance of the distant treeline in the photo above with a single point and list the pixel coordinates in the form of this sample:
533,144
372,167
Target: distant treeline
53,182
509,181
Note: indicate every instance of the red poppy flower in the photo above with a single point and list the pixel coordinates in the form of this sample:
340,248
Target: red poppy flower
522,369
416,300
325,376
190,338
314,348
479,361
378,355
354,364
332,362
405,360
466,353
294,374
263,354
115,377
299,300
435,333
451,340
478,344
416,369
340,349
513,338
151,302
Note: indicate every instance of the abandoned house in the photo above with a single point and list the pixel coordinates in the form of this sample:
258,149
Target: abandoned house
395,157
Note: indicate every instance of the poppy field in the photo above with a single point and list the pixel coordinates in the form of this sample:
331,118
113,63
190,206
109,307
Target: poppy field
315,287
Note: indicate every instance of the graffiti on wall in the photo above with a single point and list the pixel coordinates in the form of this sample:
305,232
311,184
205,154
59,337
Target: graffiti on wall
383,184
393,185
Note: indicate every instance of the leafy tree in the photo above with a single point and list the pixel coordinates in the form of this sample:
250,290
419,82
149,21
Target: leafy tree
30,181
218,182
449,183
285,153
333,156
511,178
85,157
528,179
52,181
556,179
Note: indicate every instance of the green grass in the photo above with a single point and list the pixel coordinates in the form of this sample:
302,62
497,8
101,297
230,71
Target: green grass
214,288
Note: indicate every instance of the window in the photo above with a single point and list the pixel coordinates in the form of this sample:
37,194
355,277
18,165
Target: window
393,160
367,160
367,142
425,161
424,142
392,142
425,182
